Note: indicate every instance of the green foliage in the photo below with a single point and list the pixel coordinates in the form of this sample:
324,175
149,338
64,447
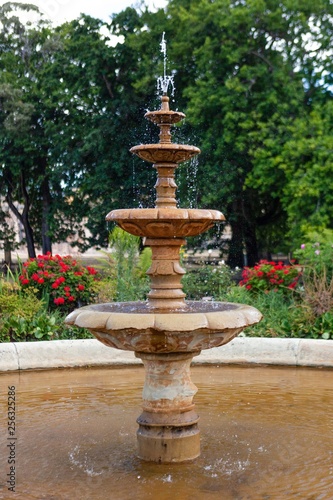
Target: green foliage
259,99
207,281
284,316
316,254
22,315
316,259
130,266
25,318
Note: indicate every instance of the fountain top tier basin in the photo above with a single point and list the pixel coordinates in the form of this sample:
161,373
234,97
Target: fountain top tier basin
165,151
134,326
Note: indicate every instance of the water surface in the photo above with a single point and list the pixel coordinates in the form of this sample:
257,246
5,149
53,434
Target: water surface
267,433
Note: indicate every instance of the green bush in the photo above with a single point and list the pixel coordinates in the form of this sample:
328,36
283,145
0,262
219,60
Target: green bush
25,318
283,315
316,260
207,281
128,271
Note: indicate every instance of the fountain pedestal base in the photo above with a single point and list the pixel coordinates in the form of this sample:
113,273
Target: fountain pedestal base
168,427
168,444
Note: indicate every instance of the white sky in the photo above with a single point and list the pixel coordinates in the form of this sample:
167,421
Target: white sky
59,11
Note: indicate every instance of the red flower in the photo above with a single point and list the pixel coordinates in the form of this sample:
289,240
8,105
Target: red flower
59,301
80,288
71,298
40,281
91,270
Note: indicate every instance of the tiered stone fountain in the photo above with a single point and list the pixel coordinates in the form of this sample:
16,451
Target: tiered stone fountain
166,331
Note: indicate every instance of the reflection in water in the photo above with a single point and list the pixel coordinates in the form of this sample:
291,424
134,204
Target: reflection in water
267,433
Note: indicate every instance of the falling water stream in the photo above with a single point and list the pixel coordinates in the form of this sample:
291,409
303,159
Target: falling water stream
267,433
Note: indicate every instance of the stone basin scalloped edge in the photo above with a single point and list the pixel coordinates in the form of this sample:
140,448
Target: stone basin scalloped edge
239,316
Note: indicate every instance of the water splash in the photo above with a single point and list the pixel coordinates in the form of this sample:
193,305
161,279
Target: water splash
164,81
192,190
83,464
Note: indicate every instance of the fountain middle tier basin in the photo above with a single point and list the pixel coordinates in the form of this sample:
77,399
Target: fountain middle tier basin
165,222
165,152
135,326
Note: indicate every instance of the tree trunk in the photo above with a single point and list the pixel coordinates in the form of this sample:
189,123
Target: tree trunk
236,257
243,249
24,219
250,243
8,254
46,203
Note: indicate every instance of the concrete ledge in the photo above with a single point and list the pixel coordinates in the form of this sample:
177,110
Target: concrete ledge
242,350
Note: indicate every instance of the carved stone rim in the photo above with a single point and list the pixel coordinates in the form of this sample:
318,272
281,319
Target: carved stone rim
166,146
165,214
96,317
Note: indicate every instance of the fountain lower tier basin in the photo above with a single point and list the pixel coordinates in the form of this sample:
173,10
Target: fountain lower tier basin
165,222
135,326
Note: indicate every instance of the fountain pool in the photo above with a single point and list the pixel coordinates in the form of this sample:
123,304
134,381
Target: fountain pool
268,434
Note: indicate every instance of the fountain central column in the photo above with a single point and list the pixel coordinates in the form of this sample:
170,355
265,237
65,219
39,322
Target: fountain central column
168,427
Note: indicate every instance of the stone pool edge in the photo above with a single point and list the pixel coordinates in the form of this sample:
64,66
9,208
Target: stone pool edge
90,352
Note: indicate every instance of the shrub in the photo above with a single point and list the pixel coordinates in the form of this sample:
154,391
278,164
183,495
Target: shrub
317,263
270,276
284,315
129,266
61,282
316,256
207,281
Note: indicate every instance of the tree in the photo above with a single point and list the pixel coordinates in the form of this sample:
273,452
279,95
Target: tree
49,103
248,71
